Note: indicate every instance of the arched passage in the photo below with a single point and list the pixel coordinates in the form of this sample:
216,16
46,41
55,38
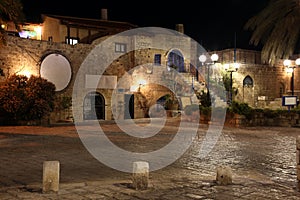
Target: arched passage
94,106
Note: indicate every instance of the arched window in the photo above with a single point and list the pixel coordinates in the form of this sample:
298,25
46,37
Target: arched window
176,61
248,81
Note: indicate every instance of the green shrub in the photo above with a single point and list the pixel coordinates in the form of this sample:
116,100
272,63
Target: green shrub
268,113
241,109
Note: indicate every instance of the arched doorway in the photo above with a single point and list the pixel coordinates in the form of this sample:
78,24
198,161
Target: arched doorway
94,106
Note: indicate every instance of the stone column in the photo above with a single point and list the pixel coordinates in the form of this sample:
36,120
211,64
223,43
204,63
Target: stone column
50,176
224,175
140,175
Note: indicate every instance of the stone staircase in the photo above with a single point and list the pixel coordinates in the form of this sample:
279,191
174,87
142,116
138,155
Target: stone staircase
191,80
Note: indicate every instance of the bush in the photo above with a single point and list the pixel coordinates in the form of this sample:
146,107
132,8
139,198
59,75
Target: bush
268,113
241,109
26,99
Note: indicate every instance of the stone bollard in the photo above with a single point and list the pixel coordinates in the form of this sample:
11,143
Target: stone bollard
50,176
224,175
140,175
298,160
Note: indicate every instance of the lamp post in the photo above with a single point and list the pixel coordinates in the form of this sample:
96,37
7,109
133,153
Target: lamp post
214,58
291,68
231,68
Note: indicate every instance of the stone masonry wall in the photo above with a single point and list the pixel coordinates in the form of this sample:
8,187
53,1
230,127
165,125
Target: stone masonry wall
269,82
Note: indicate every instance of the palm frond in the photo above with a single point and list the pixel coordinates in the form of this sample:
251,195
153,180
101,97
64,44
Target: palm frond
277,28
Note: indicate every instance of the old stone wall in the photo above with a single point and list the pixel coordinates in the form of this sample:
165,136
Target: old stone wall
24,56
269,83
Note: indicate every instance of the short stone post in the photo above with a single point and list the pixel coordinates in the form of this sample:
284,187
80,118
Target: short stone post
298,159
224,175
140,175
50,176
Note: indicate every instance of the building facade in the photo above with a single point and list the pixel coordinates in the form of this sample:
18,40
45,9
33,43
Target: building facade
115,70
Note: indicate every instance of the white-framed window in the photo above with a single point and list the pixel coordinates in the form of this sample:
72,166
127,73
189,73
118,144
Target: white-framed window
120,47
72,40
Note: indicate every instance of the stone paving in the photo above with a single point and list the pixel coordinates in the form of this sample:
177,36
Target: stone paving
263,162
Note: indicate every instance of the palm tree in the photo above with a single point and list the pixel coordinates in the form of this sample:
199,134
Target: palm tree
277,28
10,10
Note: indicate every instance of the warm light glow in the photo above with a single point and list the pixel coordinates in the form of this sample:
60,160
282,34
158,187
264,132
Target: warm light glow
231,67
226,66
236,66
214,57
138,85
26,73
32,31
289,70
3,26
287,62
134,88
141,82
297,62
38,30
202,58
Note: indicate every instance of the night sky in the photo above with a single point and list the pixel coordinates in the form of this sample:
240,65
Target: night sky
213,24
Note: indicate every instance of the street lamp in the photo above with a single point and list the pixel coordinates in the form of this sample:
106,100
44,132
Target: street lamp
214,58
291,68
231,68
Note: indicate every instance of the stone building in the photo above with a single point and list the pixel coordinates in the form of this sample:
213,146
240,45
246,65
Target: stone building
143,59
115,70
256,83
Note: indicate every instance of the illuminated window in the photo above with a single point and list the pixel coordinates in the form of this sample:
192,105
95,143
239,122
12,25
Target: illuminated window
120,47
72,40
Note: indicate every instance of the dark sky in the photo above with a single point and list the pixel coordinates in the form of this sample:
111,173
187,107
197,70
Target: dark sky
212,23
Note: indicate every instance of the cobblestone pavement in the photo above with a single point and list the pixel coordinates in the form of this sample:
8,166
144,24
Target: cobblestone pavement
262,159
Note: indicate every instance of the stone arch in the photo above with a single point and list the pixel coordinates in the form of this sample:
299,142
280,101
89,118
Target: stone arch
94,106
175,59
